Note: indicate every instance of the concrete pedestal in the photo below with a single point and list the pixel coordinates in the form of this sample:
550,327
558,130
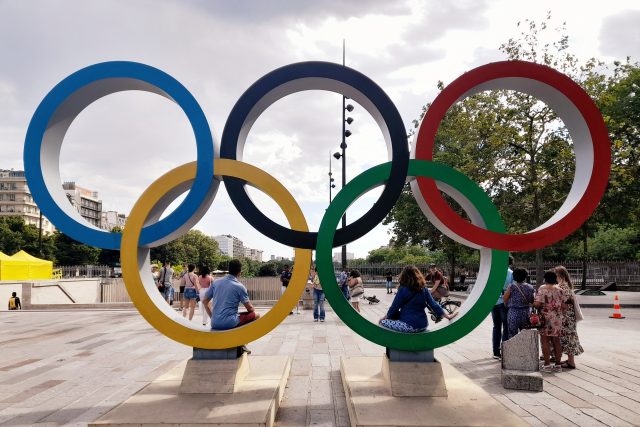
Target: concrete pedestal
374,400
241,392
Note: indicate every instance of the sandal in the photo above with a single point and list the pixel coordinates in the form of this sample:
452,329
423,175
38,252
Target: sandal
566,365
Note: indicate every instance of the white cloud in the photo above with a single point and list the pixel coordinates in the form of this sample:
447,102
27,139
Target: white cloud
123,142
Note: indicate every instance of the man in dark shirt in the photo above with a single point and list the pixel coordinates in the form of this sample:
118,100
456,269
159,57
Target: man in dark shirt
285,278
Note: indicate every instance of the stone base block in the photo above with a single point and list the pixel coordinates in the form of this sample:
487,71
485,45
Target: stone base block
213,376
410,356
370,400
414,379
254,399
521,380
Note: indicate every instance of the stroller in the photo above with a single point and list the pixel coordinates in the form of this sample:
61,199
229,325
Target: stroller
372,300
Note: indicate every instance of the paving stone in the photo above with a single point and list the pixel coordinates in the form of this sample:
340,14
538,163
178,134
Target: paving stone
521,380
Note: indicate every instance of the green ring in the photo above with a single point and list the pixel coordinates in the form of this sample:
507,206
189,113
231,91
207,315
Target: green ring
458,328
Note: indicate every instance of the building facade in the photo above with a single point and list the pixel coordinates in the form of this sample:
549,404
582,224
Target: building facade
230,245
16,200
337,256
85,201
253,254
111,219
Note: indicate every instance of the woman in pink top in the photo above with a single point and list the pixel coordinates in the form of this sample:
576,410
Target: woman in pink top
204,279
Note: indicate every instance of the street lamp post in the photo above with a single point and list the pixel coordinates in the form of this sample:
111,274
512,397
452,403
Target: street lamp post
331,180
343,145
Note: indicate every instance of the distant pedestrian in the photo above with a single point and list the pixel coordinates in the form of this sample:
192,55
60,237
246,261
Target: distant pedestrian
389,277
572,315
550,299
191,289
406,313
185,270
14,302
499,316
356,288
165,281
343,279
439,286
285,278
318,298
519,298
204,280
462,279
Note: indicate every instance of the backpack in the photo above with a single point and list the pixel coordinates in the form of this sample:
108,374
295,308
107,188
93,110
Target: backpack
12,303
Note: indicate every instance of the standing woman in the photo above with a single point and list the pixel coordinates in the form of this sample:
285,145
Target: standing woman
406,313
318,297
569,334
356,288
204,280
550,299
519,298
191,289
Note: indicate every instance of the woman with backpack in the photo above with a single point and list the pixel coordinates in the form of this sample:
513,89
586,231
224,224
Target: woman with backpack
406,313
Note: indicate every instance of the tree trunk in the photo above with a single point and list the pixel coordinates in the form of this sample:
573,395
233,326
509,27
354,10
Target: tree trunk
539,267
585,255
452,268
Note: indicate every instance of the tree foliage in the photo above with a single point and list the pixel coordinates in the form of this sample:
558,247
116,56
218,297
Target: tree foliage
521,154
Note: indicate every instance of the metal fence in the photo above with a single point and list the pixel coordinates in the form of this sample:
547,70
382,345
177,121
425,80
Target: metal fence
624,273
71,271
259,289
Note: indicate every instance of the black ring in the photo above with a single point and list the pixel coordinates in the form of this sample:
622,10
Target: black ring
320,76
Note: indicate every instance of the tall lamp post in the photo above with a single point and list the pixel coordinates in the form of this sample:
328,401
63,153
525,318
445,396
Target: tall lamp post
343,145
331,180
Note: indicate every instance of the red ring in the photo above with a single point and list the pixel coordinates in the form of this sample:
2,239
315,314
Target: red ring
564,226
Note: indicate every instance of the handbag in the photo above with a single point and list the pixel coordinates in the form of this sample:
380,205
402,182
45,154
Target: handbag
358,289
535,320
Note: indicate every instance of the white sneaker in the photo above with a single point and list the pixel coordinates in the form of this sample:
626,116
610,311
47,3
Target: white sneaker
546,368
557,368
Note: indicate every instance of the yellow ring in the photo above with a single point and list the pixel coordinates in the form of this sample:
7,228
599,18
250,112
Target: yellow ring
137,274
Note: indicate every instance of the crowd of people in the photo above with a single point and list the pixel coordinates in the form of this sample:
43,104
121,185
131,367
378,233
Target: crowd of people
552,308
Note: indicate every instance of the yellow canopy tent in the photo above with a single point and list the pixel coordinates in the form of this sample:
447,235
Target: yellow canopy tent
13,269
22,266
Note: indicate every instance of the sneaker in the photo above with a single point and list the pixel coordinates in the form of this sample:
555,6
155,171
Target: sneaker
496,356
315,320
245,349
546,368
557,368
322,320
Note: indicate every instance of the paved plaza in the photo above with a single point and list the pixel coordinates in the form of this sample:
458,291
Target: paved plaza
70,367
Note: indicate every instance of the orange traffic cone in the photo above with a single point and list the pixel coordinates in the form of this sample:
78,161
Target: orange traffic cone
616,309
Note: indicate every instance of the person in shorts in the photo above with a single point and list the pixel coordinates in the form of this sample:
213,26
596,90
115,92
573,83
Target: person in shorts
356,288
191,289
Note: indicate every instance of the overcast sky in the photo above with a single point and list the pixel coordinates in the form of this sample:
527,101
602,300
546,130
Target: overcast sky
122,143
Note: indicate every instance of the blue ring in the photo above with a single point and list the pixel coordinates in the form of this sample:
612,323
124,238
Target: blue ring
128,75
241,114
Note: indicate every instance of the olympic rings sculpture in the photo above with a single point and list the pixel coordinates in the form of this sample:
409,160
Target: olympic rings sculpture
201,179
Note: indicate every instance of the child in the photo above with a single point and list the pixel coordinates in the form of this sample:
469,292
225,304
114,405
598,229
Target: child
550,299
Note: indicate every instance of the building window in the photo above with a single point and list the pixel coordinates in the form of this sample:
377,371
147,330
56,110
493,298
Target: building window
12,197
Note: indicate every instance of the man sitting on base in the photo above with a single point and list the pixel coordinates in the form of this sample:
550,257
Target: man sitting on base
227,293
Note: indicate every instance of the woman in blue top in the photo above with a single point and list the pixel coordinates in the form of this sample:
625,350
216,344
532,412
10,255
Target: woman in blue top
519,298
406,313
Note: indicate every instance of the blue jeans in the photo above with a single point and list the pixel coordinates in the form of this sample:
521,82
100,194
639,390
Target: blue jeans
500,326
389,286
345,291
318,304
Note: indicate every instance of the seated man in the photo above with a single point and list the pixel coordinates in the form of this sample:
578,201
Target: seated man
227,293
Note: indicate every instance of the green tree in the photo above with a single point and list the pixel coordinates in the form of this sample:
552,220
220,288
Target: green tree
15,235
71,252
194,247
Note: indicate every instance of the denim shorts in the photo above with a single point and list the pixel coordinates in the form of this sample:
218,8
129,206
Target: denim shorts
190,293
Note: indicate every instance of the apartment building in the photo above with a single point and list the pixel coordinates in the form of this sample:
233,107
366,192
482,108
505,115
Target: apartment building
85,201
16,200
111,219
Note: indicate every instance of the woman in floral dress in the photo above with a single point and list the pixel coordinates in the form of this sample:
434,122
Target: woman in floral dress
569,335
550,300
518,297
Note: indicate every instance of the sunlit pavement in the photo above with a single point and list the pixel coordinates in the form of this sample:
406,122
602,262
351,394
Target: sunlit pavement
69,367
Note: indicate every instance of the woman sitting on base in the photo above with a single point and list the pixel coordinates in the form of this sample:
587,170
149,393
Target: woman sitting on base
406,313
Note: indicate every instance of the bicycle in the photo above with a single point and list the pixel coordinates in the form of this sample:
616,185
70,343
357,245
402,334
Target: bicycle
448,305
